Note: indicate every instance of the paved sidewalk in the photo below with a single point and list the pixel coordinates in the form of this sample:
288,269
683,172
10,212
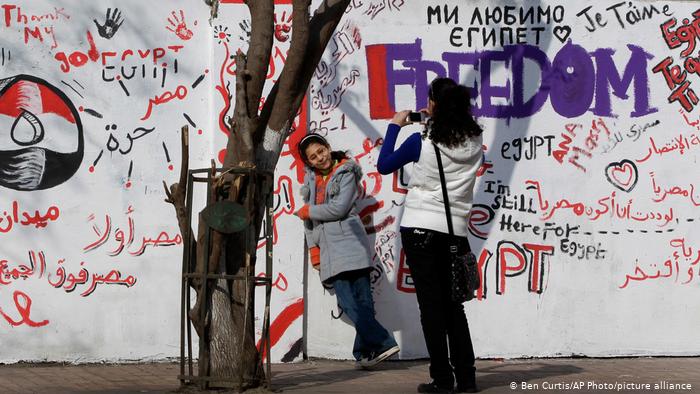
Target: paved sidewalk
630,375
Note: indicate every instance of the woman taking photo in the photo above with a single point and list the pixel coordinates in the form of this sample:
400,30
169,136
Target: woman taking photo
338,243
424,231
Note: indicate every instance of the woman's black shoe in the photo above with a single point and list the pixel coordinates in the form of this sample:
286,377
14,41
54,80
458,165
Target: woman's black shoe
433,387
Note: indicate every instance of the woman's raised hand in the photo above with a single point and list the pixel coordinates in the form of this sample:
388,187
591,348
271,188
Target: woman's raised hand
401,118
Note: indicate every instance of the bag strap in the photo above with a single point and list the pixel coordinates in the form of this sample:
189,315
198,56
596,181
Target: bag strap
446,200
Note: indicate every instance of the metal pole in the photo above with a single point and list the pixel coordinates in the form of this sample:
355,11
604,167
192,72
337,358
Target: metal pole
188,251
269,205
247,286
204,369
305,316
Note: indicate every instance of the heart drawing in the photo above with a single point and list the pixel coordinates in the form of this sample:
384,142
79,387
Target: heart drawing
622,175
561,32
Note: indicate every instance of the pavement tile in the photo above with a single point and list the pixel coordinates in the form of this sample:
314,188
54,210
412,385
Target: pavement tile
332,376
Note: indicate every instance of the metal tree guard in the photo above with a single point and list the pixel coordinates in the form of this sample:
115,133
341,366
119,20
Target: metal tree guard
189,262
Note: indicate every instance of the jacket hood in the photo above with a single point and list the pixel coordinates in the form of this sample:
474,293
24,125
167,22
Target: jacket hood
348,165
465,152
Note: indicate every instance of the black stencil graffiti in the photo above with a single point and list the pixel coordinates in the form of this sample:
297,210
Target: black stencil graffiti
501,25
598,18
245,31
115,143
189,120
374,8
73,89
111,25
561,32
43,140
345,42
93,113
331,100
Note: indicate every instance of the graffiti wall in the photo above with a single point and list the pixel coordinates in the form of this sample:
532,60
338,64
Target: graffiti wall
92,98
584,203
586,198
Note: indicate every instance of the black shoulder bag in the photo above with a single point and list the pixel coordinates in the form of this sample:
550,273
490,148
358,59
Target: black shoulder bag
463,267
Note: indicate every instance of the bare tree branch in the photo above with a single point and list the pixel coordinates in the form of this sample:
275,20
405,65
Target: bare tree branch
321,29
289,82
251,70
239,148
275,117
178,191
259,51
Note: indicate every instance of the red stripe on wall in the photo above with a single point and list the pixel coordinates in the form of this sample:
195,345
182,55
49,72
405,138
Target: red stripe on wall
379,106
282,323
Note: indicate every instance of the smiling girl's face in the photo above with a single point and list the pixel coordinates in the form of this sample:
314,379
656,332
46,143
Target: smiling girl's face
318,156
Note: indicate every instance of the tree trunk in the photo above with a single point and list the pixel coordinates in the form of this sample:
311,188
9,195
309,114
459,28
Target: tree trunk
255,141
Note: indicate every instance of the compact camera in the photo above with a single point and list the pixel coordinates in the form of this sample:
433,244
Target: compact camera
416,117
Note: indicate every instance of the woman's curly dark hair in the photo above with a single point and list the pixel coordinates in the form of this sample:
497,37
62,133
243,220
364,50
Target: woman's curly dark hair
452,121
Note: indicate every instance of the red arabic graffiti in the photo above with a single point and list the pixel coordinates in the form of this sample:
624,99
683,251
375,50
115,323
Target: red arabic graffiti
661,194
223,87
678,144
125,240
682,267
606,206
179,93
37,219
71,281
367,216
23,271
68,281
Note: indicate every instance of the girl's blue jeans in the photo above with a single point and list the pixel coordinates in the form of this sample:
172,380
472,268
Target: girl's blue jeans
354,295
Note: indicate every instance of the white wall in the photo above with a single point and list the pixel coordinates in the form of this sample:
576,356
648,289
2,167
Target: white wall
637,274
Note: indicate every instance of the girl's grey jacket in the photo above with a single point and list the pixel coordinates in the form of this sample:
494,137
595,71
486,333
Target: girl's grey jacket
335,226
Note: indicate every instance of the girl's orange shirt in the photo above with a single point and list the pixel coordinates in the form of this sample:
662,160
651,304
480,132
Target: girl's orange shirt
322,181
